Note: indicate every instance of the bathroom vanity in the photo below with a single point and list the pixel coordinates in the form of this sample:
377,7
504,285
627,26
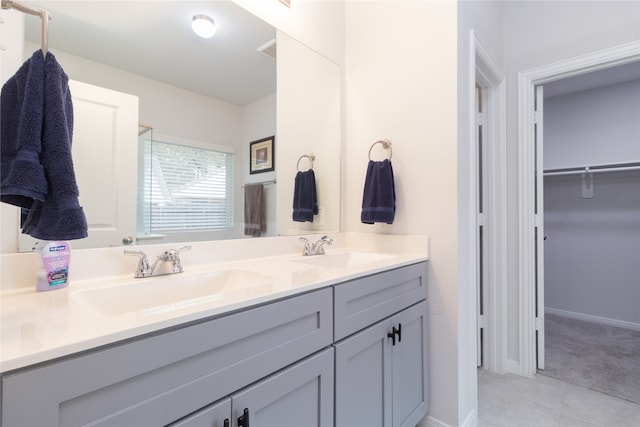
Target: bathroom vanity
348,348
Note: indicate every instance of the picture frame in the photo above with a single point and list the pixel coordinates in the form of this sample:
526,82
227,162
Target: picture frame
262,155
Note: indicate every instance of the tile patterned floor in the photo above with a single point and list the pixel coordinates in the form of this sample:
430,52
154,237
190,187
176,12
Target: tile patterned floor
506,400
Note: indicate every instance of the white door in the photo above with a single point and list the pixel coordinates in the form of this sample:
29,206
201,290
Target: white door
105,138
482,249
539,226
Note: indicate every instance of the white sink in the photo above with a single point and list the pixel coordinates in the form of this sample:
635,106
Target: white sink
157,295
343,259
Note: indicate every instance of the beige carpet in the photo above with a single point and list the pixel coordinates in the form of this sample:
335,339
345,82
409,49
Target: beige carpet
592,355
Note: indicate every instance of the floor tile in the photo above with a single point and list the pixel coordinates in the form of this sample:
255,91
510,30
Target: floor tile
515,401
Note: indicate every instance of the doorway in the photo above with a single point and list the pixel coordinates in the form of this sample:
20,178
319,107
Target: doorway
592,225
531,272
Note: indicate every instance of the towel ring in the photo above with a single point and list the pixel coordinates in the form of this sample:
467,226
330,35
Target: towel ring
386,144
311,158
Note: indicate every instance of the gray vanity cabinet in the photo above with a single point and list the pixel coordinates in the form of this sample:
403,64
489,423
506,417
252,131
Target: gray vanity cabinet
159,379
301,395
382,371
215,415
298,396
348,355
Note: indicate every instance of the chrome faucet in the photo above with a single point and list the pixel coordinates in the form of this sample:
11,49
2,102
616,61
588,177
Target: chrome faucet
316,248
167,262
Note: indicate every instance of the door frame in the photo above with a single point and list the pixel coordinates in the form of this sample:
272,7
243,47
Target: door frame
485,72
527,80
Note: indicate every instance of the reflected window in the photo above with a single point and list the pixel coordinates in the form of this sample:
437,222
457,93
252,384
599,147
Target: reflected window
183,188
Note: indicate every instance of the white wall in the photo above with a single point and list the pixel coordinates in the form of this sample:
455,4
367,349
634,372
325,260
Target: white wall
592,127
401,70
538,33
309,123
258,121
593,245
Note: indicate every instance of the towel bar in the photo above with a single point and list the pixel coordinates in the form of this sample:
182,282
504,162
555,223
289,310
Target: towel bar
44,15
386,144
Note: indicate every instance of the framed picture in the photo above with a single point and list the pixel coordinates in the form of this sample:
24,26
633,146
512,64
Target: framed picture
261,155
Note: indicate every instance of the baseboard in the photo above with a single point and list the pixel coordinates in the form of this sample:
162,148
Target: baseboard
591,318
429,421
512,367
471,420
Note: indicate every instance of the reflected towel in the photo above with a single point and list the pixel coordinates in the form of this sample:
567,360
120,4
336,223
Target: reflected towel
254,217
379,197
305,197
45,129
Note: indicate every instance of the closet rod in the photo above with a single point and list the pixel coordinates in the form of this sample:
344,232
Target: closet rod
618,167
45,17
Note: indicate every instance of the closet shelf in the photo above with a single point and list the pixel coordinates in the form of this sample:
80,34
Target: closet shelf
614,167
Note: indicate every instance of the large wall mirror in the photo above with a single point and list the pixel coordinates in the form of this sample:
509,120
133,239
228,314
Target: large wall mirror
247,83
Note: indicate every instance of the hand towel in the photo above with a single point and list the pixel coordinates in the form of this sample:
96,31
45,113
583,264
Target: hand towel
379,196
305,197
254,212
58,215
21,117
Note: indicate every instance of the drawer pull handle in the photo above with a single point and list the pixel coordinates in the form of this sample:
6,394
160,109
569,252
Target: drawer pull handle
395,332
243,421
226,422
392,335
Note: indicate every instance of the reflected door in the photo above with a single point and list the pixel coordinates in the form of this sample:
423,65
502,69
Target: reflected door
104,152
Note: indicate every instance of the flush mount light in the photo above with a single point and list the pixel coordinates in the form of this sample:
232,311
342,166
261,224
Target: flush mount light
203,26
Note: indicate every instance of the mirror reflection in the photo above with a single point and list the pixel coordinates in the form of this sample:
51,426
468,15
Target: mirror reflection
197,99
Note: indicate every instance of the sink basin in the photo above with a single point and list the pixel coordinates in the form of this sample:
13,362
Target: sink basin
157,295
343,259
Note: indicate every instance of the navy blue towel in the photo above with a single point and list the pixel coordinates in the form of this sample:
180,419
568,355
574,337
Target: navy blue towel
305,197
42,129
21,109
379,198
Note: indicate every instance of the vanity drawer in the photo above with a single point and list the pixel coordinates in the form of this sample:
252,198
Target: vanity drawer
363,302
155,380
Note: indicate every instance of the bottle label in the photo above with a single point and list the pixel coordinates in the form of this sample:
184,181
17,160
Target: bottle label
55,258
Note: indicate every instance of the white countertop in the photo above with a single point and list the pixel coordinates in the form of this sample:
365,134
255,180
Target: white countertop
39,326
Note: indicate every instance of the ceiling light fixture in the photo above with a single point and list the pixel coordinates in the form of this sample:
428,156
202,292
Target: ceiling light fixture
203,26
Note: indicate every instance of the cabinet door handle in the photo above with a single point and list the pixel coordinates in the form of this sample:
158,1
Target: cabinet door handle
225,423
392,335
399,332
243,421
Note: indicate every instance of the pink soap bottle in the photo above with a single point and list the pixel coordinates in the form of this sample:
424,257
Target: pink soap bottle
52,259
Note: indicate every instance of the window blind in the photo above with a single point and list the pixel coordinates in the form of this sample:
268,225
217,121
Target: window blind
186,188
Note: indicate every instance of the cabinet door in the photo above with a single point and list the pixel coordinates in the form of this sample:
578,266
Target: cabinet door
363,378
300,396
215,415
409,367
381,373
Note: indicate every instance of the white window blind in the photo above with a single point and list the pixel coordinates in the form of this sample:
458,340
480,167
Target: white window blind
185,188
